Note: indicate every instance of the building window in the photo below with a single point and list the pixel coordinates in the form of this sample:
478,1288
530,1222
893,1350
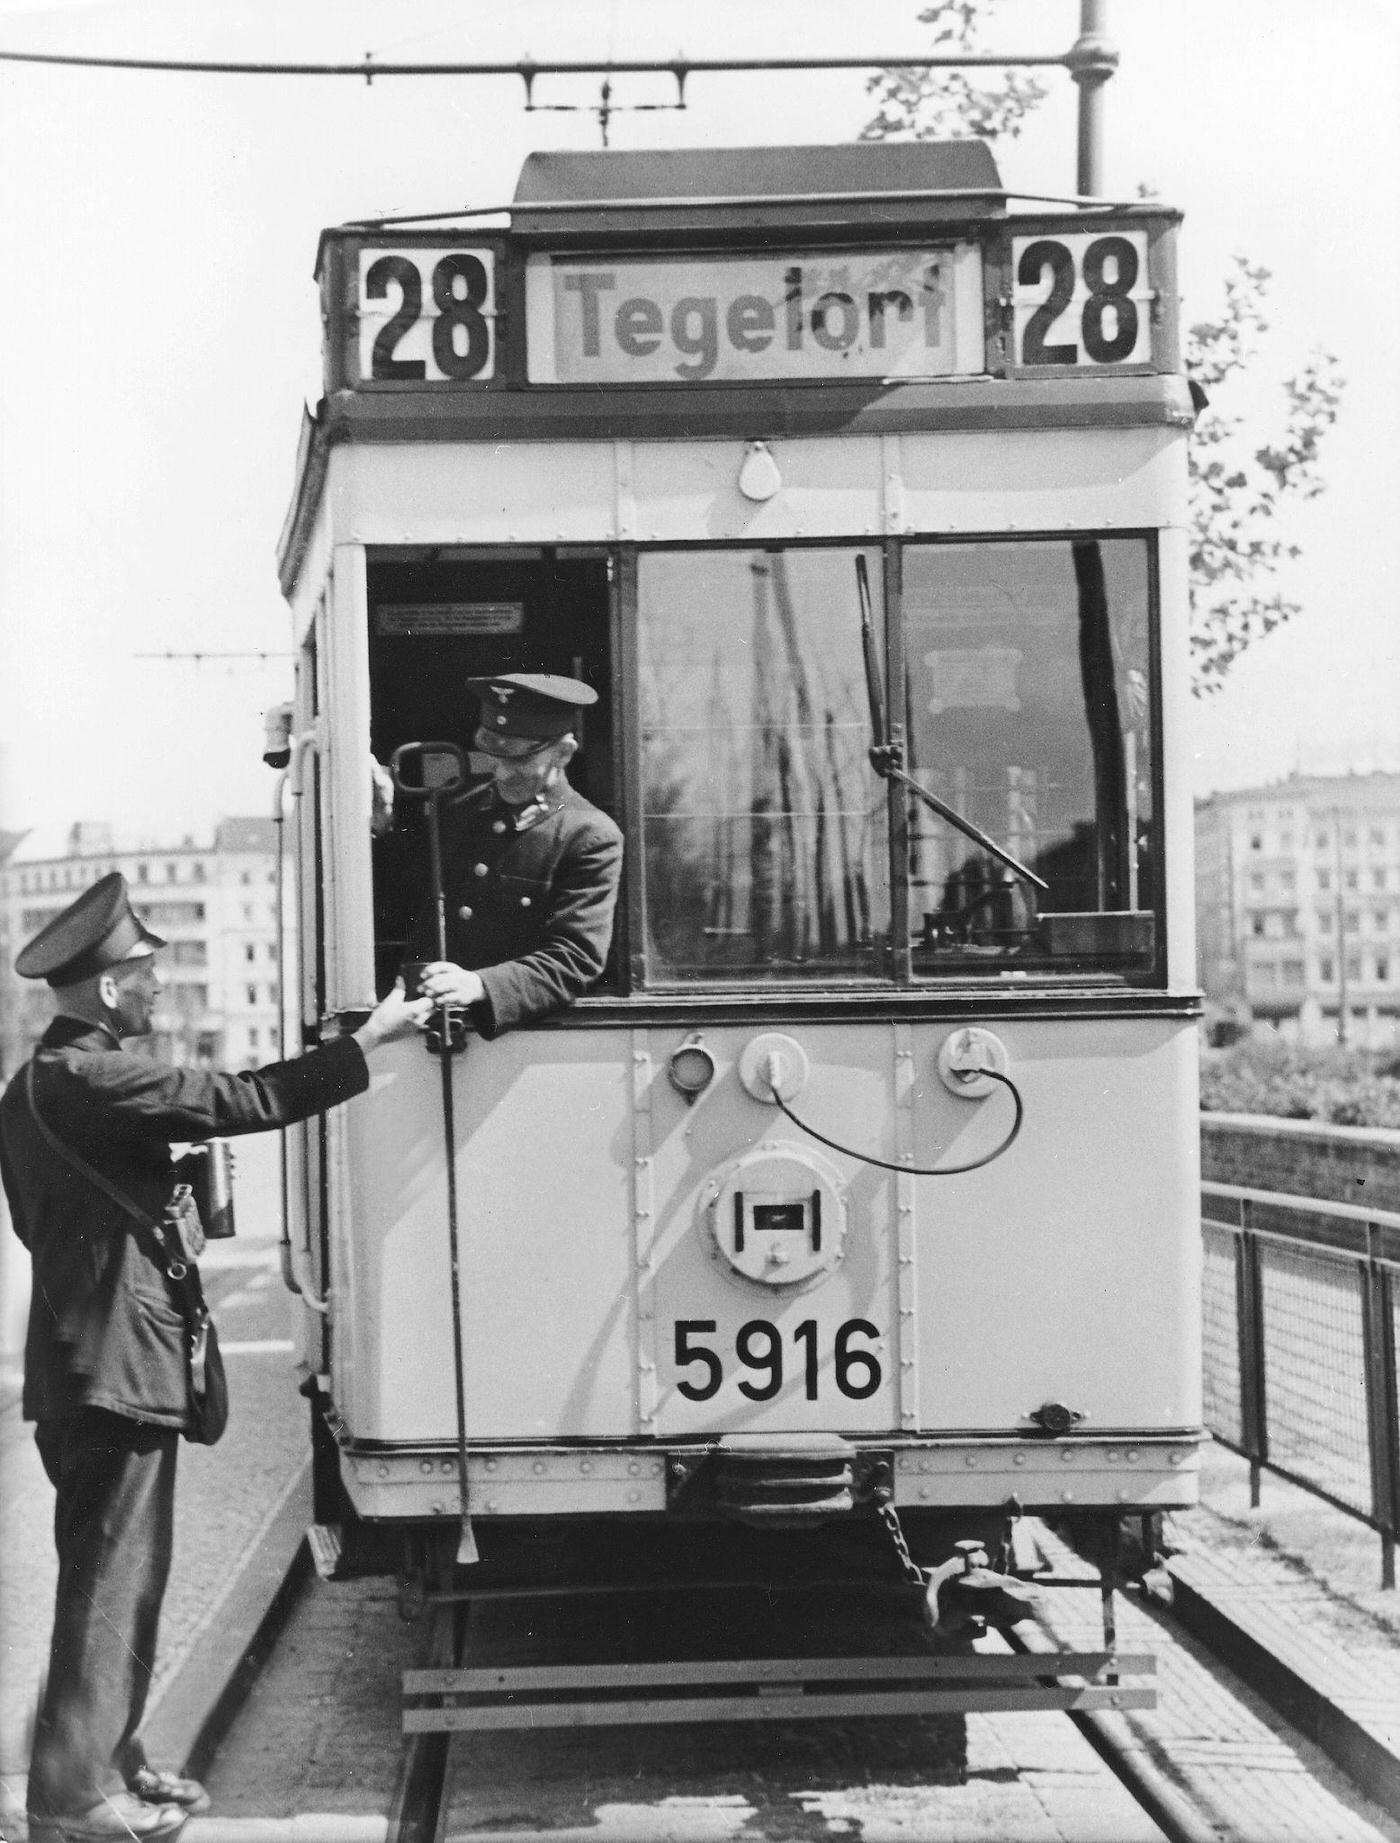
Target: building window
253,1038
1352,879
245,876
247,911
189,953
1287,881
143,873
1293,972
1324,921
1256,884
1285,841
252,991
172,873
1256,924
1378,917
1353,966
1378,837
1382,969
1324,879
1378,879
1326,972
250,952
1256,841
1349,840
198,872
1352,922
1322,841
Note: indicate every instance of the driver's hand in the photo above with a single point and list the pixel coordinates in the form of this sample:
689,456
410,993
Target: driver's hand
446,983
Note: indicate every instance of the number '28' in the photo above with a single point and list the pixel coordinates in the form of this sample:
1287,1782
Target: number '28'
1105,291
459,287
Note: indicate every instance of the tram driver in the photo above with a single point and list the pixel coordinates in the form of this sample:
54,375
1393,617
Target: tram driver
530,867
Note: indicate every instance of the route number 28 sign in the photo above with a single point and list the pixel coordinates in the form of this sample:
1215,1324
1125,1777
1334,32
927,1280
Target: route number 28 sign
427,316
1081,299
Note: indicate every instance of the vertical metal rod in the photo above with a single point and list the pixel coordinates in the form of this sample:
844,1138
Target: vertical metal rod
1092,60
466,1545
1249,1305
1378,1343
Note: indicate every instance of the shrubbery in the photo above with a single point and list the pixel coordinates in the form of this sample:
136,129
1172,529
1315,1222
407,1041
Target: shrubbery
1266,1075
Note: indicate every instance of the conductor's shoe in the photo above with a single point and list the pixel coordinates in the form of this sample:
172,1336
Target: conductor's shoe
117,1818
159,1788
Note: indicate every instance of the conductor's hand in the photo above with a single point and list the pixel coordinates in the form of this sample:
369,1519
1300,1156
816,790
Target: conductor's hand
445,983
381,798
393,1017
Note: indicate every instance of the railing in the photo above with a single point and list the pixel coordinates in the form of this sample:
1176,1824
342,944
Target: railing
1300,1339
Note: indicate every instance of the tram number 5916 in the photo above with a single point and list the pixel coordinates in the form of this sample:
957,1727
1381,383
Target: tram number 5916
758,1345
1094,286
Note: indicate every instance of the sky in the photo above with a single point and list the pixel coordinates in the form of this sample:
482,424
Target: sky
159,329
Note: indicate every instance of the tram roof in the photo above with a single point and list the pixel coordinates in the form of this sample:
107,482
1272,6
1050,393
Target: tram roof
705,189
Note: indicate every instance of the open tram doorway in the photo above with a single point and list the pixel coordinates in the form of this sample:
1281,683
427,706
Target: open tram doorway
439,616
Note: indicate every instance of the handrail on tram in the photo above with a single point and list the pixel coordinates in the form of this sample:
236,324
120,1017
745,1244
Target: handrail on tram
296,1261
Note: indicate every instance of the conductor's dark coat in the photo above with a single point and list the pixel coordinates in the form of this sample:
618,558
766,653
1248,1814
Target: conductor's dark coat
104,1327
530,899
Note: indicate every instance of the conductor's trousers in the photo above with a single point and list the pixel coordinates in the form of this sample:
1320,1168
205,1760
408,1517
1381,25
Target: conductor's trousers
113,1529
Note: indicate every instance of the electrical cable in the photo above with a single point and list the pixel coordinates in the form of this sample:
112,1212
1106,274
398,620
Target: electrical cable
886,1164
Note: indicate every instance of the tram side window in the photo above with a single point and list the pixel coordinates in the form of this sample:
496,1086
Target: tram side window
1029,714
765,834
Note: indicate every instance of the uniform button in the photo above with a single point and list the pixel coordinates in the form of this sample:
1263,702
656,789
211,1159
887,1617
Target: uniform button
500,723
464,913
478,870
498,825
524,902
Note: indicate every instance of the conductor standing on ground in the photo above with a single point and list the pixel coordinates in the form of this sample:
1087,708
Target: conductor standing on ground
107,1373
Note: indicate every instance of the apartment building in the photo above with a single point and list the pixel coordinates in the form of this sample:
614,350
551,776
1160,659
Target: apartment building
1298,908
214,902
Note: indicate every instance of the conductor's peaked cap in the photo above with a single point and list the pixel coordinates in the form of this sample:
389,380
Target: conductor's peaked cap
535,705
97,931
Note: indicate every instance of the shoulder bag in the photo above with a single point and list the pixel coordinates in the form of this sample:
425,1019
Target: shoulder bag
179,1241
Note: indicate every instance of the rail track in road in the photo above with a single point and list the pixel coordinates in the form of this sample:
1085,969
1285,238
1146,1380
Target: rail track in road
313,1756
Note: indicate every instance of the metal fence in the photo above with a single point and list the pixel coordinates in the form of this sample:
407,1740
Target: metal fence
1300,1341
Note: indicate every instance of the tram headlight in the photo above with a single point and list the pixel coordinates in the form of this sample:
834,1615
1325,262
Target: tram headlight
691,1067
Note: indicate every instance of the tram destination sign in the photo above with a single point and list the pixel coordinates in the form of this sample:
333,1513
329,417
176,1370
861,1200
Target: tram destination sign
745,317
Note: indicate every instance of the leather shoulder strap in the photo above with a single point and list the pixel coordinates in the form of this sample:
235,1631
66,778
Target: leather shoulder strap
80,1165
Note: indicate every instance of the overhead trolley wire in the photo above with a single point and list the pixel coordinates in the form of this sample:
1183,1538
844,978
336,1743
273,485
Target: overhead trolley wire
527,69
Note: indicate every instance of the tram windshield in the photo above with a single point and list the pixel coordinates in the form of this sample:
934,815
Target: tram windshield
1027,712
765,832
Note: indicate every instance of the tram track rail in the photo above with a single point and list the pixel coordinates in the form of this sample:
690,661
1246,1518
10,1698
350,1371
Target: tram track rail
203,1698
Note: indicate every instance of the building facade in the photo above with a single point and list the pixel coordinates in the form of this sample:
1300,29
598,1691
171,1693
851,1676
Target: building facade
1298,909
214,903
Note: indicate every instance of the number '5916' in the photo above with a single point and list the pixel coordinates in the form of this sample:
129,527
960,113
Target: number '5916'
758,1347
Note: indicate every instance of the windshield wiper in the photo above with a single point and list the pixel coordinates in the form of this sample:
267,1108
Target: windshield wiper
887,757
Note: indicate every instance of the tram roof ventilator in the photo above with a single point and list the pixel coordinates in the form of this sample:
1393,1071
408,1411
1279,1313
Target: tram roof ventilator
700,191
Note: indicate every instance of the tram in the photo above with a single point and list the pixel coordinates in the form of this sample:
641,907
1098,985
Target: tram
865,1174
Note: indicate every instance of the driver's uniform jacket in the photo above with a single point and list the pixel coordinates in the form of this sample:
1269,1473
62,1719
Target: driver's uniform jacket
529,899
105,1329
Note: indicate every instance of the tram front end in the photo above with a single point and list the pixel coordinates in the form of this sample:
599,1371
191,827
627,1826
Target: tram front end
864,1179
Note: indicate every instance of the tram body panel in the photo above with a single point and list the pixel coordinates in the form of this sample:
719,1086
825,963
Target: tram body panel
1067,1270
544,1173
671,491
588,1190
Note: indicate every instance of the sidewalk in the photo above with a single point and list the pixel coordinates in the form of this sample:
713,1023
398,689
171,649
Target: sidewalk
1292,1591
